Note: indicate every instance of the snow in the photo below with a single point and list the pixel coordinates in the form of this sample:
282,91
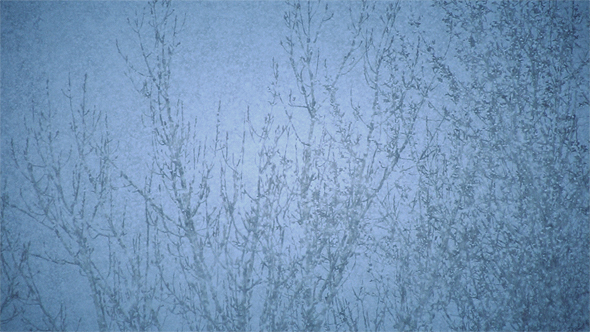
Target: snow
453,238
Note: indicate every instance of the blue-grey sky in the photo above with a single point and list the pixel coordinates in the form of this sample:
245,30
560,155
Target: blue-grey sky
225,55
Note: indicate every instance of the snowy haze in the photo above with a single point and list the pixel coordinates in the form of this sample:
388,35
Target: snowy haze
240,165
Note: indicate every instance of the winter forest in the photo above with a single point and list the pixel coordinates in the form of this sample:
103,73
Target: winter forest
295,166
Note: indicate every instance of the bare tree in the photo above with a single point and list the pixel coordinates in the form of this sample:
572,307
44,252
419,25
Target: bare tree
398,181
514,173
69,174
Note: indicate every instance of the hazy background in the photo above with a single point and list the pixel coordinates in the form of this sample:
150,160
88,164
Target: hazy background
224,61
